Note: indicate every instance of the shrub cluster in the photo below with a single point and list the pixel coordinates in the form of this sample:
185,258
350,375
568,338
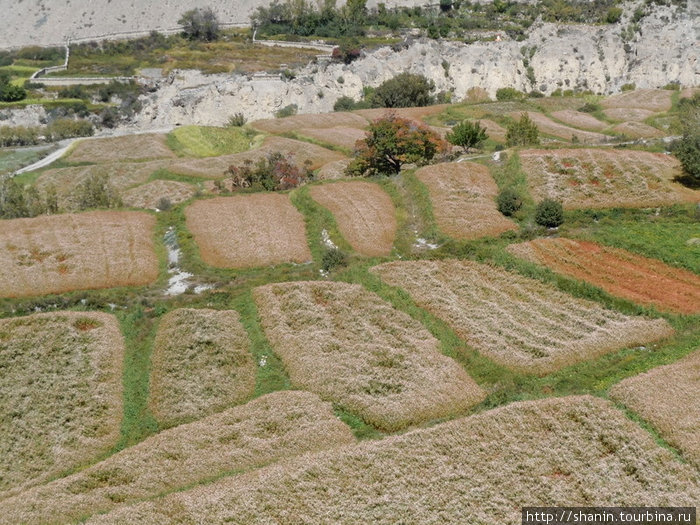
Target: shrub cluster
523,132
509,202
549,213
272,173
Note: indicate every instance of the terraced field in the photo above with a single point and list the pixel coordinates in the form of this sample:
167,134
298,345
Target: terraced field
121,149
149,195
345,137
550,127
648,99
578,119
315,121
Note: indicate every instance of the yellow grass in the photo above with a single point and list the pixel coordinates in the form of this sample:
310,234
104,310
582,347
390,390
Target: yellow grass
248,230
56,254
669,398
478,470
148,195
599,178
462,195
276,426
364,213
628,114
201,364
516,321
344,137
60,393
333,170
128,147
548,126
579,119
636,130
315,121
352,348
649,99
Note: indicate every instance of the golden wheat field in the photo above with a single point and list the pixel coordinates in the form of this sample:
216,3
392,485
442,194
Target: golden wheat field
56,254
550,127
517,321
352,348
480,469
248,230
201,364
277,426
628,114
619,272
668,397
597,178
345,137
314,121
579,119
364,213
649,99
462,196
120,149
61,394
636,130
149,195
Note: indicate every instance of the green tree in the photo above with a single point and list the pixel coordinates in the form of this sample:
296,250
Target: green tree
523,132
200,24
549,213
467,135
96,192
687,148
509,201
403,91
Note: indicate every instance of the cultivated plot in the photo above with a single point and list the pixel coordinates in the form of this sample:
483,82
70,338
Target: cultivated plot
516,321
628,114
668,397
248,230
480,469
117,149
60,253
364,213
619,272
314,121
462,195
636,130
550,127
273,427
352,348
61,394
333,170
579,119
417,113
649,99
201,364
151,195
339,136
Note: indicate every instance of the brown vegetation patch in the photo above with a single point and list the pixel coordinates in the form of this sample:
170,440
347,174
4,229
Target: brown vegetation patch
273,427
649,99
312,121
338,136
248,230
548,126
333,170
637,130
517,321
579,119
61,393
60,253
462,195
364,213
628,114
418,113
352,348
639,279
669,398
125,148
149,195
598,178
480,469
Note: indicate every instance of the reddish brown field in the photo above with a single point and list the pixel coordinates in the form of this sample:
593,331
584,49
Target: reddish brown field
148,195
637,130
129,147
344,137
364,213
462,196
314,121
649,99
639,279
248,230
60,253
579,119
548,126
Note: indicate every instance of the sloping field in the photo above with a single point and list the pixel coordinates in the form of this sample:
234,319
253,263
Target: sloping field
628,114
516,321
119,149
333,170
352,348
248,230
60,253
364,213
148,195
201,364
493,130
477,470
339,136
649,99
669,398
312,121
299,151
208,141
579,119
418,113
548,126
639,279
636,130
61,393
273,427
462,195
598,178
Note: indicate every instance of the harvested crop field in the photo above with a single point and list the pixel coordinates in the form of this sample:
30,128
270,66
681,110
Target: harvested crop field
148,195
60,253
61,394
364,213
338,136
352,348
599,178
517,321
549,127
668,397
119,149
493,130
462,196
649,99
273,427
639,279
637,130
248,230
201,364
417,114
579,119
313,121
628,114
333,170
479,469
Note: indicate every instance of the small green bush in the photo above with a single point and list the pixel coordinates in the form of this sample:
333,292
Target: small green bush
333,258
509,201
403,91
523,132
509,93
344,104
549,213
613,15
590,107
236,121
628,87
287,111
467,134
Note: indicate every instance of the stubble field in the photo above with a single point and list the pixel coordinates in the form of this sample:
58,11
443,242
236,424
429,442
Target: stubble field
648,99
550,127
149,195
121,149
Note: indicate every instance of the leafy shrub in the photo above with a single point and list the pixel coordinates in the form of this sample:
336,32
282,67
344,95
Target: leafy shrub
12,93
687,148
344,104
628,87
509,93
549,213
467,134
523,132
509,201
347,51
403,91
236,121
67,128
200,24
613,15
74,92
287,111
272,173
164,204
333,258
97,192
590,107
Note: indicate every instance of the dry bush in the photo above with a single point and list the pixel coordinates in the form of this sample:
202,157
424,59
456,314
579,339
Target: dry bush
462,196
61,394
339,136
649,99
480,469
148,195
669,398
517,321
315,121
637,130
639,279
600,178
126,148
273,427
364,213
548,126
579,119
201,364
60,253
352,348
333,170
628,114
248,230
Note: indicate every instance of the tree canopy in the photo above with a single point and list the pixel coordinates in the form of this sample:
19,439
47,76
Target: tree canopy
200,24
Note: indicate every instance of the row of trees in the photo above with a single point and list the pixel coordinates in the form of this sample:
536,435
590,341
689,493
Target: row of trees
58,130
